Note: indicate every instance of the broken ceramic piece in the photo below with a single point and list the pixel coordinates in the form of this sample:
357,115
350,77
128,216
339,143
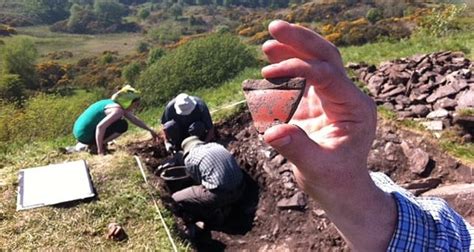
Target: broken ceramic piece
273,101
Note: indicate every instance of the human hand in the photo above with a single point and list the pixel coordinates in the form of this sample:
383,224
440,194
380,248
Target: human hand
329,136
336,121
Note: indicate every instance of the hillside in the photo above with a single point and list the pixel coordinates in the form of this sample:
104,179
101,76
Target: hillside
414,58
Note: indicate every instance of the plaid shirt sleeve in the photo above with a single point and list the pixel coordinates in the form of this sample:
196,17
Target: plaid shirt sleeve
425,223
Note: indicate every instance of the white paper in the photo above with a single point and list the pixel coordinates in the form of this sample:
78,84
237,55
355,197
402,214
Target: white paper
53,184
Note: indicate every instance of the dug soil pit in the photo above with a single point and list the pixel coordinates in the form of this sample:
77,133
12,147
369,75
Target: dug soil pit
275,215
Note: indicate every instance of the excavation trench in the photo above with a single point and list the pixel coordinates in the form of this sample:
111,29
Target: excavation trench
274,215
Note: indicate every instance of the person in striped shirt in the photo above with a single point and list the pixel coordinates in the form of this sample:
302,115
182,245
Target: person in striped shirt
219,181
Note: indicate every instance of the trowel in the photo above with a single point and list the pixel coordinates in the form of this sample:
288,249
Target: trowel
273,101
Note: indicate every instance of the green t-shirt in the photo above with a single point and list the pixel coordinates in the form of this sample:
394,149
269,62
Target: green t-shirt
85,125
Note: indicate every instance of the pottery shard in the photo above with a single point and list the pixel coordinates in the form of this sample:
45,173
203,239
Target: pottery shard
297,202
275,83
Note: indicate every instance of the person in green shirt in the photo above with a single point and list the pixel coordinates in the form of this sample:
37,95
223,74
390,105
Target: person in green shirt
104,120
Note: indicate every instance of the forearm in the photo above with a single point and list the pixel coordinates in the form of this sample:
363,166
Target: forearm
364,214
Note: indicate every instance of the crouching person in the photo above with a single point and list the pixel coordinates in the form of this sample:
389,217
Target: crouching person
219,182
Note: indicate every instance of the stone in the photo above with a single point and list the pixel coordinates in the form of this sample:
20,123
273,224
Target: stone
418,160
396,91
420,186
439,113
445,103
458,196
420,110
433,125
465,99
297,202
375,84
441,92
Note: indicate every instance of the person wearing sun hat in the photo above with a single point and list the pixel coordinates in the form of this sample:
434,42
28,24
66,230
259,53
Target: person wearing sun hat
186,115
104,120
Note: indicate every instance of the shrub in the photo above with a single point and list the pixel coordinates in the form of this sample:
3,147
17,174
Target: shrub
154,55
374,15
441,20
131,72
52,74
165,34
142,47
107,58
12,88
18,57
43,117
203,62
143,14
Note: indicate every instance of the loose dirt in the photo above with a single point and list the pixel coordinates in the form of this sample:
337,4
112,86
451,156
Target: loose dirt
258,224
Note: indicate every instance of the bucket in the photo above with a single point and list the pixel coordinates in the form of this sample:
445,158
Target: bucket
176,178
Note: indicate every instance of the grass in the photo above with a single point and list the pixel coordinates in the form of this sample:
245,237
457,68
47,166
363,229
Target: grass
375,53
123,199
80,45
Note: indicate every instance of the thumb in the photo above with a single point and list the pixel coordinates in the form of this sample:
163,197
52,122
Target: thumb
294,144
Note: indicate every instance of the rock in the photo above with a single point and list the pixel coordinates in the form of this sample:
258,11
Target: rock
445,103
319,212
420,110
459,196
420,186
465,99
439,113
418,160
116,232
433,125
442,92
297,202
375,84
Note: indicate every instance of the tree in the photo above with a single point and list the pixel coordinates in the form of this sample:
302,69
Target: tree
47,11
109,11
18,57
176,10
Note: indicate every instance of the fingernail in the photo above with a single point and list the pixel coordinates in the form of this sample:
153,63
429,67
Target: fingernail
280,142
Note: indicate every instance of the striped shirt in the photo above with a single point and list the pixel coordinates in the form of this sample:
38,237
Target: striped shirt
214,167
425,223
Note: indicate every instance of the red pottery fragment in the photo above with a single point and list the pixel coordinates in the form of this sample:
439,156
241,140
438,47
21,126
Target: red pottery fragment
273,101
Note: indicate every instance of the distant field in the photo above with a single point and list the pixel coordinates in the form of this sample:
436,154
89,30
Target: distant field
80,45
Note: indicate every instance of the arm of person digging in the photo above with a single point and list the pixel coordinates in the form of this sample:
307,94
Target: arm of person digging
329,137
139,123
113,114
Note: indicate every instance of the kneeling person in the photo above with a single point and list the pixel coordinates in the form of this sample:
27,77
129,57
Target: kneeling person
219,179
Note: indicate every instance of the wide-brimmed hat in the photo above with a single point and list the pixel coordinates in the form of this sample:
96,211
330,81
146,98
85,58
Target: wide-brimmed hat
126,96
184,104
189,143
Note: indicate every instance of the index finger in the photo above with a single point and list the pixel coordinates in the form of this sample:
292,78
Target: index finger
305,41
